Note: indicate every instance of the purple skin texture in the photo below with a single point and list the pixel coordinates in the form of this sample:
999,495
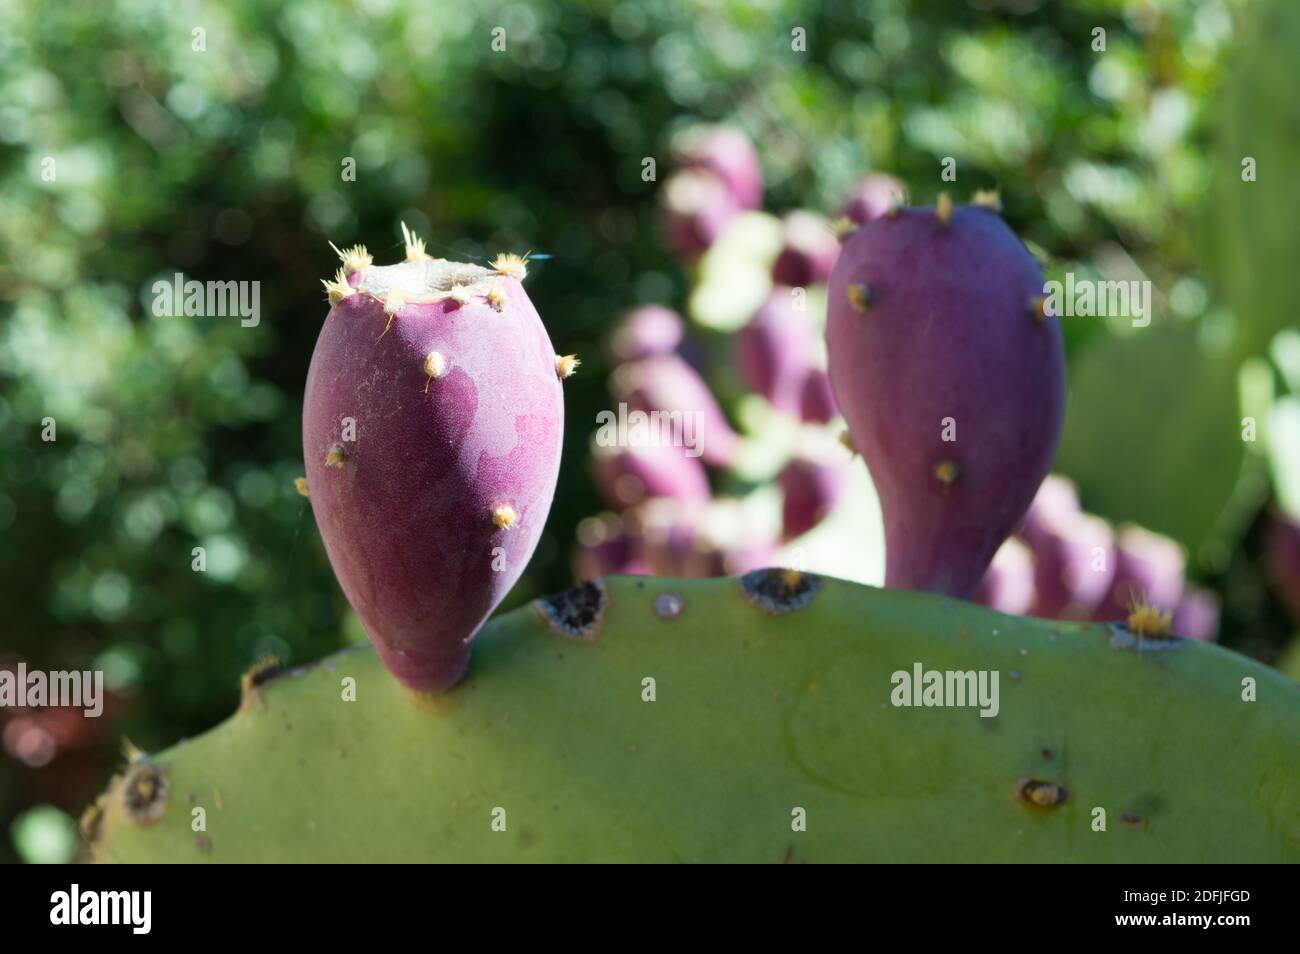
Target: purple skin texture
440,471
1008,584
725,152
933,314
1074,563
1148,567
628,475
1197,615
816,399
809,252
1282,549
811,491
695,207
665,382
871,198
647,331
774,352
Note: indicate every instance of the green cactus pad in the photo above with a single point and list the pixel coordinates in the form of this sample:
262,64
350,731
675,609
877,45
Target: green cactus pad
772,694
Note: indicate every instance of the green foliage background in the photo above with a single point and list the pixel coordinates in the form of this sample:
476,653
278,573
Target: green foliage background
225,164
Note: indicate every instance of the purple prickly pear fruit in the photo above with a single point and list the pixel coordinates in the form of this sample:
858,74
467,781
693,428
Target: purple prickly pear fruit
1282,555
725,152
666,384
695,207
774,351
673,541
1148,568
951,379
1074,563
739,558
607,546
1056,497
872,197
1197,615
816,399
647,331
693,540
811,489
1008,584
809,252
628,475
432,424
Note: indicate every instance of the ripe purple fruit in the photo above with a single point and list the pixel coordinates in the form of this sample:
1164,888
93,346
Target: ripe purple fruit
1148,568
665,383
695,207
1074,561
811,489
629,475
952,381
809,252
774,351
816,399
693,540
872,197
1197,615
1008,584
1056,497
608,545
432,423
727,153
647,331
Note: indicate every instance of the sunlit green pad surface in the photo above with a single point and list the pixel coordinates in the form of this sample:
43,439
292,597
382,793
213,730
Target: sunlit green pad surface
755,716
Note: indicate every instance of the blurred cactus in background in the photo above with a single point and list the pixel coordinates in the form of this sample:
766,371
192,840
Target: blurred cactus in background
231,143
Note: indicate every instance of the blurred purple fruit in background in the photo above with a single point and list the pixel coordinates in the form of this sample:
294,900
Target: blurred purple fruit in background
628,475
872,198
666,383
1197,614
809,251
1008,586
1056,497
774,351
645,332
810,491
727,154
1074,563
695,207
1148,567
608,545
816,399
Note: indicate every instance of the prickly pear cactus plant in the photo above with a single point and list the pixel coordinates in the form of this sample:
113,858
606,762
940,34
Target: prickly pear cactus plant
590,730
951,376
432,422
